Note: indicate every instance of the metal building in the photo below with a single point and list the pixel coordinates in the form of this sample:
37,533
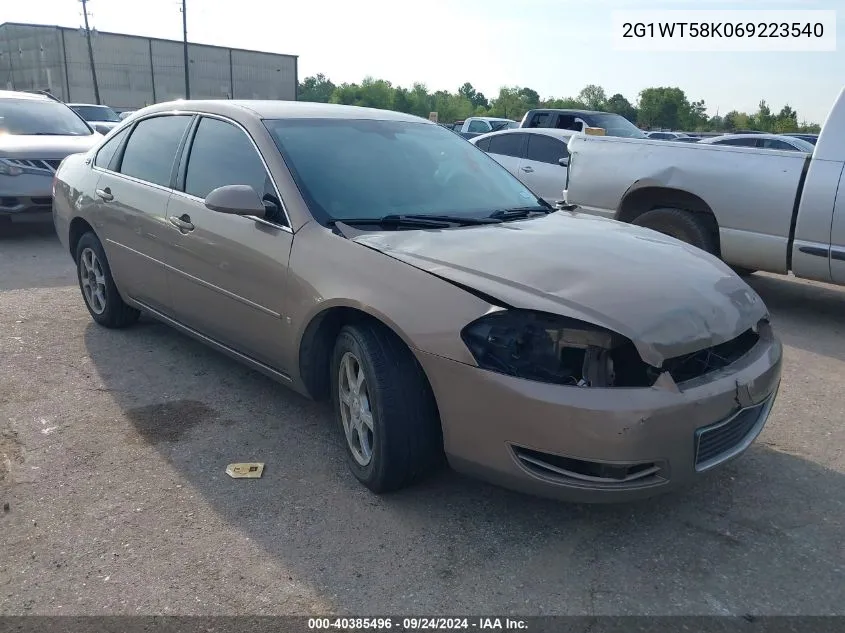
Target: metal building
136,71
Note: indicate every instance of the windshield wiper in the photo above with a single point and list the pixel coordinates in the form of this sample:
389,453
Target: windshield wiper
517,213
416,221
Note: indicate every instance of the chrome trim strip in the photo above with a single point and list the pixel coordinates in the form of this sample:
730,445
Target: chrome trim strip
201,282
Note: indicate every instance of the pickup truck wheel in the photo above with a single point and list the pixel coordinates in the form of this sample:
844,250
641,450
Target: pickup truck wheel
384,407
682,225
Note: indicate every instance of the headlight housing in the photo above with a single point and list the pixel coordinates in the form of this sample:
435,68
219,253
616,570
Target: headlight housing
555,349
9,169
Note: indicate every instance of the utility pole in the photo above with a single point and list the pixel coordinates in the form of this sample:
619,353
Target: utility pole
91,52
185,47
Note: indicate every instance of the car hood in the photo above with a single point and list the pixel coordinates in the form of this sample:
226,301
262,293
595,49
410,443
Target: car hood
667,297
24,146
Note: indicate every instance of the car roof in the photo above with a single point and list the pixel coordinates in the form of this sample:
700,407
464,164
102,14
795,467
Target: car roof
31,96
282,110
569,111
545,131
89,105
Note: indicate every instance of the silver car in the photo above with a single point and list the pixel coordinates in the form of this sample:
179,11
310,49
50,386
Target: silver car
36,134
537,156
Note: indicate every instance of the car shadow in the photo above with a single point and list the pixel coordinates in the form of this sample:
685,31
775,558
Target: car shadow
764,535
801,310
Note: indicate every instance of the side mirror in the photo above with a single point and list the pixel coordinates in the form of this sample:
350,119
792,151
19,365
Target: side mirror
564,162
236,200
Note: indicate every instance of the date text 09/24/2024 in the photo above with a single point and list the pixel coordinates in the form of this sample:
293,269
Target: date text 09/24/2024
417,624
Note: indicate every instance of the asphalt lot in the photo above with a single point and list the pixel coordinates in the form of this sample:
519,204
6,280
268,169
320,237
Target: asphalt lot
115,446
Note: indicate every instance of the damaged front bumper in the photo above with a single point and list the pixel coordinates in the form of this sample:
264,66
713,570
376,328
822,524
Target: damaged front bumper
587,444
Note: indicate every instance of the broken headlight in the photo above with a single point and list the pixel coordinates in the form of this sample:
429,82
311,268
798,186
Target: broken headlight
547,348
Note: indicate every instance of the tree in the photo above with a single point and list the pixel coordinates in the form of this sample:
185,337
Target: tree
510,104
564,104
665,108
621,106
786,120
317,88
530,97
593,97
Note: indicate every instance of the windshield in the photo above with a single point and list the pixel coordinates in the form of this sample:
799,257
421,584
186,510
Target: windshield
97,113
616,125
352,168
31,116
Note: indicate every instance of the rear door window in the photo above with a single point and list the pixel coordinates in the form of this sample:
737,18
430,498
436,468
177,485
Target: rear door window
483,144
545,149
152,147
106,154
507,145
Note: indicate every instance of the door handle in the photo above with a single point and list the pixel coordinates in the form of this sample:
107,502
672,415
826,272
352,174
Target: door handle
183,223
105,194
528,170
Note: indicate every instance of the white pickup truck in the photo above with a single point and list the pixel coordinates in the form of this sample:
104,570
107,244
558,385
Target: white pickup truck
757,209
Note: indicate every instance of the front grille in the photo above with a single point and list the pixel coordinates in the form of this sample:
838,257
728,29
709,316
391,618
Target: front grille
702,362
718,442
47,164
581,472
7,201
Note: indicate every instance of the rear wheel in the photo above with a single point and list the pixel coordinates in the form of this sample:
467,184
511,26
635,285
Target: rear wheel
683,225
384,407
102,299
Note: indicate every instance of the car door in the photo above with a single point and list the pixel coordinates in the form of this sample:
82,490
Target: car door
541,170
227,273
507,149
132,192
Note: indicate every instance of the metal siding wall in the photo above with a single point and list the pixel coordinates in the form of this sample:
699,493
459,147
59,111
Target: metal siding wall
264,76
32,58
169,70
209,72
79,67
123,68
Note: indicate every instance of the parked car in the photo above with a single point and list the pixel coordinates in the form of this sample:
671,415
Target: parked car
777,211
538,157
477,125
761,141
36,133
101,117
579,120
378,260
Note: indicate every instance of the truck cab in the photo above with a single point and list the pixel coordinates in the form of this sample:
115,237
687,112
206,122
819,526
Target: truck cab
477,125
609,123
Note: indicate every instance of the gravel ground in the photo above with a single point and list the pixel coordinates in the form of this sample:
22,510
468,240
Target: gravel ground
113,446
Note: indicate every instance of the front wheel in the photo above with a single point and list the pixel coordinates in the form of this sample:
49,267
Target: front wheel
102,299
384,407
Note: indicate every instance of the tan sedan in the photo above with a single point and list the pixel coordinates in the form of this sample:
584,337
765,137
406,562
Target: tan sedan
379,260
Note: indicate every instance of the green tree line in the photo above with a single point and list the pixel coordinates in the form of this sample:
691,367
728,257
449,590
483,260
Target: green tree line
654,108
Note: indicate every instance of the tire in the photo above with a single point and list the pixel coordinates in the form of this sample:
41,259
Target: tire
109,309
405,439
683,225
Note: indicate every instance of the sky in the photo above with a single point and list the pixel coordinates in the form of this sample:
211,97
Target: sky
555,47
